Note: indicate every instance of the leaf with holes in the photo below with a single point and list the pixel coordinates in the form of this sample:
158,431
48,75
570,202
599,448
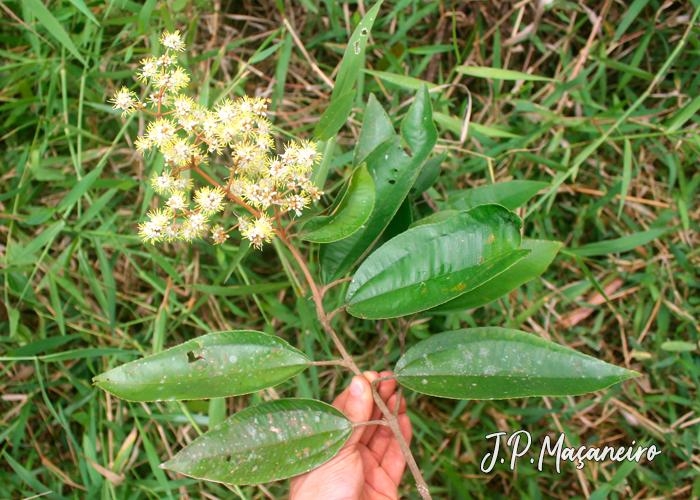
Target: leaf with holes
270,441
354,209
214,365
394,172
499,363
431,264
349,71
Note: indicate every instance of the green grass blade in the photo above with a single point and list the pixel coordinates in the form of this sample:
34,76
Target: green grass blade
683,115
630,15
401,81
53,27
626,174
499,74
617,245
344,90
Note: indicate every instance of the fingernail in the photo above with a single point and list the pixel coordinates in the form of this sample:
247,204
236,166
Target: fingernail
357,387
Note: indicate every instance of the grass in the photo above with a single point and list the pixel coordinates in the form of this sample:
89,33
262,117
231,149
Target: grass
615,135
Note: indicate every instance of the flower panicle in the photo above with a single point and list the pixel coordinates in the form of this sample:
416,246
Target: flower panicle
256,181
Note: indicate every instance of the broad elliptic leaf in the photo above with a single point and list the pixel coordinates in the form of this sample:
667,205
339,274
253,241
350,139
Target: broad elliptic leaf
353,211
510,194
436,217
430,264
541,255
499,363
214,365
394,173
270,441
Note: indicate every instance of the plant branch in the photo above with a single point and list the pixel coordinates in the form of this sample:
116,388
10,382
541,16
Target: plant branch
318,302
389,416
370,422
228,192
329,362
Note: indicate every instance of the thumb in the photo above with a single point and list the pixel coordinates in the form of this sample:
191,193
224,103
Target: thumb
358,405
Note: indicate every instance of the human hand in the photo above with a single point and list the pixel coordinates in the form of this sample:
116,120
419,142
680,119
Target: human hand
370,464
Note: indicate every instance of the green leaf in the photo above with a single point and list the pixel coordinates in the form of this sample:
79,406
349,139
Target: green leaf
436,217
80,5
402,81
270,441
686,113
402,220
679,346
354,209
617,245
214,365
428,175
53,27
626,175
454,125
417,127
20,255
541,255
499,363
394,173
499,74
510,194
334,117
628,18
376,130
345,86
78,190
431,264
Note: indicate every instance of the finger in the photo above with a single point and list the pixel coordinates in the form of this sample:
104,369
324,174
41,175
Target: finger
394,461
356,403
385,388
371,375
341,399
383,436
378,483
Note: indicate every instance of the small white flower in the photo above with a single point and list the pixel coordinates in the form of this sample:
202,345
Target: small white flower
163,183
154,229
209,200
258,231
125,100
218,234
226,111
181,184
172,81
149,69
194,226
295,203
161,132
307,154
172,41
178,152
177,202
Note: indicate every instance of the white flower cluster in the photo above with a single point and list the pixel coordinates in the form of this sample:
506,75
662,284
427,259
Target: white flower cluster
263,184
